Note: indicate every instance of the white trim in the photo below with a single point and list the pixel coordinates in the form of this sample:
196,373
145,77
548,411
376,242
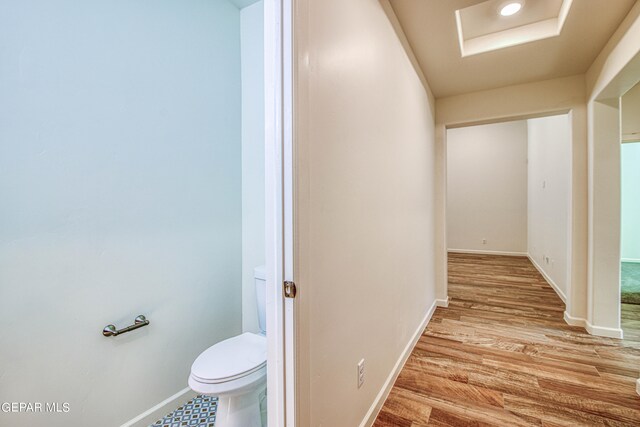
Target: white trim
277,62
638,386
481,252
635,260
569,302
600,331
290,304
603,331
550,281
163,408
375,408
575,321
443,302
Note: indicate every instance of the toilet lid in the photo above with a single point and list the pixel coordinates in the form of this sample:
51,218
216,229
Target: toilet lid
233,358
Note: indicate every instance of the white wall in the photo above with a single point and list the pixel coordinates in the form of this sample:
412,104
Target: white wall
253,190
630,111
487,188
631,202
121,195
364,206
549,192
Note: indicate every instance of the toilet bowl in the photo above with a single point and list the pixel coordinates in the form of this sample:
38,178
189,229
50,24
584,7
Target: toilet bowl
235,370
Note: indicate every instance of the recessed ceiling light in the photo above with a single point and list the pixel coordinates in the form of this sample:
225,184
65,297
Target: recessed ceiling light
510,9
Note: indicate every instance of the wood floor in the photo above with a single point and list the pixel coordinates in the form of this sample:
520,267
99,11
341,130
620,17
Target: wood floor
501,355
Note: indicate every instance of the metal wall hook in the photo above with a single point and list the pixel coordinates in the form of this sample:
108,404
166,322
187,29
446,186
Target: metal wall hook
111,331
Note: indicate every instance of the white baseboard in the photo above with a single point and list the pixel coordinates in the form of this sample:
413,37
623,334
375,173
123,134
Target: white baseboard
481,252
555,287
600,331
630,260
161,409
375,408
603,331
443,302
638,386
575,321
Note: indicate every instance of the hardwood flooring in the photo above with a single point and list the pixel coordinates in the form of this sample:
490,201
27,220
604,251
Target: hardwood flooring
502,355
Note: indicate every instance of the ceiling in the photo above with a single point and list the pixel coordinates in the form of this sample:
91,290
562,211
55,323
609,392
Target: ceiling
481,28
430,27
482,18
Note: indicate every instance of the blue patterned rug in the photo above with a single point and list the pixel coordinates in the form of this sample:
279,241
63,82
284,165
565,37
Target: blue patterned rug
198,412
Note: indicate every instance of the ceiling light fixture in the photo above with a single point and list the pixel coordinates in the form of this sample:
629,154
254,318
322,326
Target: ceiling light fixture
510,9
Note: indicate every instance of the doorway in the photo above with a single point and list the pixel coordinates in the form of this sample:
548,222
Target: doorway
630,220
607,199
509,195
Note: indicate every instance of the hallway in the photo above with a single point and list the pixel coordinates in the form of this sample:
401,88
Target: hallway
502,355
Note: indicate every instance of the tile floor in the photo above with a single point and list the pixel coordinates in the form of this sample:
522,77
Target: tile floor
198,412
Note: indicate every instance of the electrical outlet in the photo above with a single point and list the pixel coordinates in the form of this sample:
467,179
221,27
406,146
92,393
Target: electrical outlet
360,373
484,241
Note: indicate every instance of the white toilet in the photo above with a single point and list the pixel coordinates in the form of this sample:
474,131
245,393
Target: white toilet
235,370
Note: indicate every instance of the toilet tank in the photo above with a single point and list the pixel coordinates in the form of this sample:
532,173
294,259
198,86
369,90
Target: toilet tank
260,281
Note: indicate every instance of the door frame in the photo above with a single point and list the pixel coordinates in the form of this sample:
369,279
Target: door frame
569,113
526,101
605,142
281,354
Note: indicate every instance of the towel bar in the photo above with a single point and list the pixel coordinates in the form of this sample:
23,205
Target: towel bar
111,331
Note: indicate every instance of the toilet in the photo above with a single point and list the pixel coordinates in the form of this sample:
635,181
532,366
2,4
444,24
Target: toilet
235,370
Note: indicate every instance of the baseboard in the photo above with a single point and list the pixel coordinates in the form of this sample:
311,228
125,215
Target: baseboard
161,409
375,408
550,281
603,331
630,260
575,321
638,386
443,302
481,252
600,331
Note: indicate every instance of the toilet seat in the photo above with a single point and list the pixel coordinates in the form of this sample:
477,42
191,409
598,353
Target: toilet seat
254,381
231,359
228,379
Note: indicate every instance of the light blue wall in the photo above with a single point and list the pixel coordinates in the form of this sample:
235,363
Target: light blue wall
120,187
253,186
631,202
